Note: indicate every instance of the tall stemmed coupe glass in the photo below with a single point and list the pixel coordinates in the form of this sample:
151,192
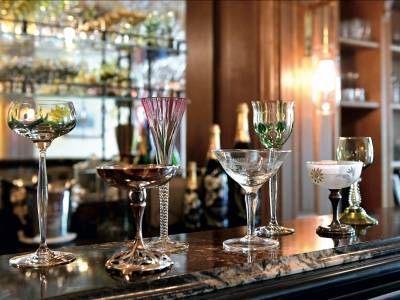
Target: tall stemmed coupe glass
42,122
164,115
357,149
251,169
273,123
138,258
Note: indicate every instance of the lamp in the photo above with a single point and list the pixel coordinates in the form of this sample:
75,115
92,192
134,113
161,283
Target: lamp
325,79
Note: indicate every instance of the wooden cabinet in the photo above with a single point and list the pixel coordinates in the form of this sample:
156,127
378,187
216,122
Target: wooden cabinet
363,29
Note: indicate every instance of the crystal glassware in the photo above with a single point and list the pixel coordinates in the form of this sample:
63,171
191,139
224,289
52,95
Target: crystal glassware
356,149
164,115
138,258
42,122
273,124
251,169
334,175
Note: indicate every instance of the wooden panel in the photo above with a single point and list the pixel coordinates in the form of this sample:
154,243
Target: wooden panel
199,77
236,62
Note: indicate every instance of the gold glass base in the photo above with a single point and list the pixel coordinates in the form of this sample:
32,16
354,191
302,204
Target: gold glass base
357,216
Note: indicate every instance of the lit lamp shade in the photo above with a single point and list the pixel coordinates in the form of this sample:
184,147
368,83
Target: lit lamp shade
324,86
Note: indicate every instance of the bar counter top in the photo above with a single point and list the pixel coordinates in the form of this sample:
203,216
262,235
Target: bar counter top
304,263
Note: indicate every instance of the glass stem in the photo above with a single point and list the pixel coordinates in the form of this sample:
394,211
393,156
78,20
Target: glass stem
335,197
354,195
273,195
251,206
138,204
164,199
42,198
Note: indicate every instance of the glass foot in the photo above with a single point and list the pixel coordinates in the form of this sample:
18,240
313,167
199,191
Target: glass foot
49,259
273,230
357,216
168,245
249,244
138,261
341,230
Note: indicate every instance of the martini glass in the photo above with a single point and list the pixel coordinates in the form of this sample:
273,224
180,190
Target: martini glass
356,149
273,123
138,258
251,169
42,122
164,115
334,175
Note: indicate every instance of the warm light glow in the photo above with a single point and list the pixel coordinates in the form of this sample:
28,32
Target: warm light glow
324,86
69,36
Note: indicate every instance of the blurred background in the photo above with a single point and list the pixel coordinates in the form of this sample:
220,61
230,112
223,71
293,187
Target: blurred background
338,60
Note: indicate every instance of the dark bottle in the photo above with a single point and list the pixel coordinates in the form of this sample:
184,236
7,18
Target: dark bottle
193,210
237,204
144,147
215,185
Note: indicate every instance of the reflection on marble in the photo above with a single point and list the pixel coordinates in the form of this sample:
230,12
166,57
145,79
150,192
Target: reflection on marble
205,267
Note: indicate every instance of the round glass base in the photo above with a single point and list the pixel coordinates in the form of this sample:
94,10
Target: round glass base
50,259
249,244
273,230
337,231
168,245
138,261
357,216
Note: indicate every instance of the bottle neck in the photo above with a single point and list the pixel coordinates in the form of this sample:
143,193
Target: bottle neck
242,134
192,179
215,143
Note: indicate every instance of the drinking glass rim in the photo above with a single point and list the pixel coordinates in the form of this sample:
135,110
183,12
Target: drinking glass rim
272,101
354,137
166,98
328,162
251,150
125,166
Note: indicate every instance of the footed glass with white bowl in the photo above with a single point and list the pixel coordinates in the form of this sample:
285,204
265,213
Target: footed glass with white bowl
334,175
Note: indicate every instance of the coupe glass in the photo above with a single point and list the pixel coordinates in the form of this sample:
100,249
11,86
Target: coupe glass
357,149
334,175
42,122
138,258
273,123
251,169
164,115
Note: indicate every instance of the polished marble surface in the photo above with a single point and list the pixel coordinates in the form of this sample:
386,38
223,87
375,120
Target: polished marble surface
205,267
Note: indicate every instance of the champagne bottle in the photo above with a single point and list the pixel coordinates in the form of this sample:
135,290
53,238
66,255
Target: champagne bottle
215,185
237,205
193,209
144,156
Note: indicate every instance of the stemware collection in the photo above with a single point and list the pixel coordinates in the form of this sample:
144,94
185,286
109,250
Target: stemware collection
43,121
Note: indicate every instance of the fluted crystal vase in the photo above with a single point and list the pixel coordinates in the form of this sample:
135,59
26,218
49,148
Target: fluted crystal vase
164,115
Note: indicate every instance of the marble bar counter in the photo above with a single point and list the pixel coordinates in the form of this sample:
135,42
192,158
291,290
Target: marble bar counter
305,265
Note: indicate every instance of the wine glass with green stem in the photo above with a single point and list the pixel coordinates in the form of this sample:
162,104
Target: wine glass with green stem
273,124
42,122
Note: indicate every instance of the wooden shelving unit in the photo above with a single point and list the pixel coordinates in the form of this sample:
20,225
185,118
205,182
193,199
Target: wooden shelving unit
364,57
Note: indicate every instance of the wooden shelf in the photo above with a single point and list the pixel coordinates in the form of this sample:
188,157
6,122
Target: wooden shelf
361,105
354,43
395,164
